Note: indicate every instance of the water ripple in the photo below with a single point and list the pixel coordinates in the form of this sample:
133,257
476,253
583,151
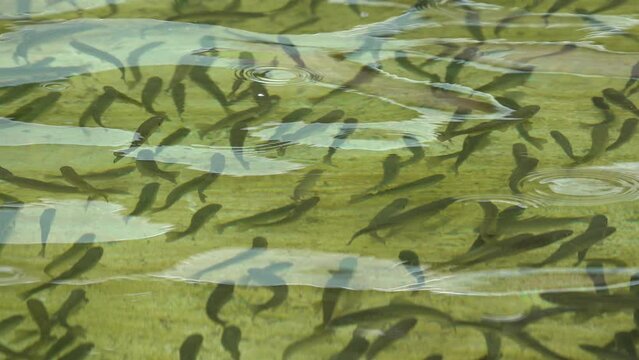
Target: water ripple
278,75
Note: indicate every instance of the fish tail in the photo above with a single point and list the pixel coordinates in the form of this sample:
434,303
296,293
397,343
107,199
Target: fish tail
173,176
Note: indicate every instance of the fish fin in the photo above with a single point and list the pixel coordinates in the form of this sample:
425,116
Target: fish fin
581,256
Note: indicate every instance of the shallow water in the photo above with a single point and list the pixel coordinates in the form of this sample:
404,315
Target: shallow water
391,88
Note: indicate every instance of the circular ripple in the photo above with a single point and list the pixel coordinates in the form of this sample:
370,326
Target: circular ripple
12,276
277,75
580,187
55,86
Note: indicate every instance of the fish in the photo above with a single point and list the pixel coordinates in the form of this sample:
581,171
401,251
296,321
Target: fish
618,98
231,337
199,183
420,212
454,67
627,131
258,248
82,244
317,126
147,197
72,177
260,94
213,17
306,184
471,144
90,258
173,138
150,168
473,23
133,60
595,272
79,352
488,231
280,292
414,146
287,122
178,94
364,75
602,105
599,136
237,136
244,115
46,219
30,111
191,347
634,77
524,165
40,317
410,260
593,301
391,311
100,105
247,61
509,221
391,335
556,6
199,76
221,295
108,174
564,143
34,184
66,340
349,127
355,348
151,90
564,49
291,50
519,13
522,114
99,54
493,345
9,323
596,232
335,285
412,185
76,299
402,60
302,207
271,217
395,207
391,166
16,92
199,219
142,134
509,80
605,7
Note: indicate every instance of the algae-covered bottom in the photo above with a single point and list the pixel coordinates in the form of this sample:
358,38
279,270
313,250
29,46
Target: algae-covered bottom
311,179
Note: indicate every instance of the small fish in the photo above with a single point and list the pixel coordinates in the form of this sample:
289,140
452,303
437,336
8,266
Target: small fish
517,14
291,50
595,272
410,260
231,337
556,6
314,4
580,244
314,127
599,137
564,143
493,345
80,352
40,316
634,77
30,111
395,207
244,115
238,134
191,347
522,114
425,181
46,219
199,219
628,129
365,75
391,311
524,165
222,294
90,258
82,244
66,340
421,212
454,67
16,92
287,122
72,177
415,147
618,98
147,197
199,183
264,277
213,17
247,61
101,104
178,94
142,134
260,94
34,184
339,280
349,127
564,49
259,247
181,71
148,167
133,60
108,174
391,166
473,23
306,184
471,144
76,299
355,348
199,76
173,138
9,323
275,216
585,300
99,54
602,105
151,90
448,51
508,80
391,335
402,60
488,231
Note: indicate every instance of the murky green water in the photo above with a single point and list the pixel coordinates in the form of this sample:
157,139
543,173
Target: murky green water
365,179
